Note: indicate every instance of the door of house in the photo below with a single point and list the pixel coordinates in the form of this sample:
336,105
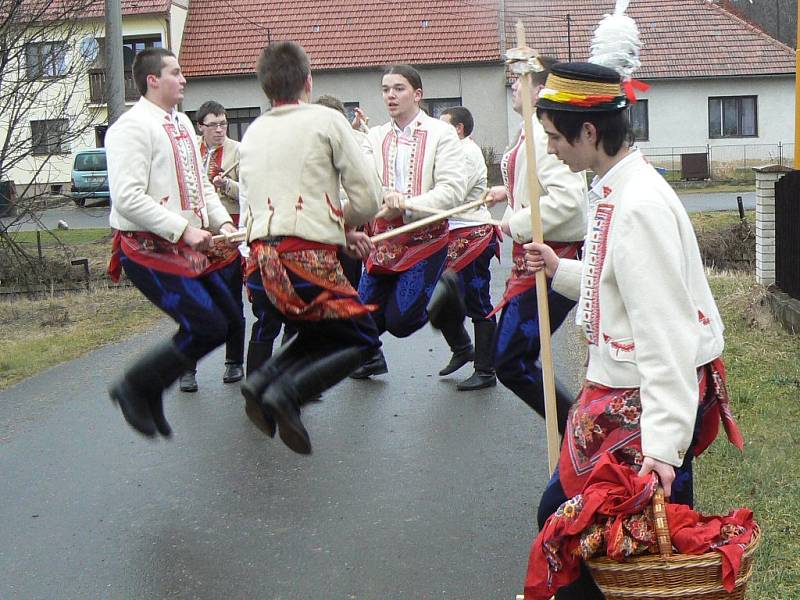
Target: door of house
787,242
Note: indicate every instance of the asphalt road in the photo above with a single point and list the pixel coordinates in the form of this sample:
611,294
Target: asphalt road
97,216
414,490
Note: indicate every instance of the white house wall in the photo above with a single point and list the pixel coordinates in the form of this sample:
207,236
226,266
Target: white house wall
481,88
678,112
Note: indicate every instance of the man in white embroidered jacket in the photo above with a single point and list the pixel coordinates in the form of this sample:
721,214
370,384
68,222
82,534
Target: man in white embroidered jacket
220,156
655,384
465,285
420,163
563,209
294,159
163,210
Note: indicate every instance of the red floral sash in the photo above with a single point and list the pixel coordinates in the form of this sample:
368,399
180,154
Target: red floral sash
154,252
402,252
468,243
315,262
607,420
520,280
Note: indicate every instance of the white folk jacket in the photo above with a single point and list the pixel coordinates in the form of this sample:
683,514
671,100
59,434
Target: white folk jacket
563,194
477,178
435,175
644,303
156,177
293,159
226,157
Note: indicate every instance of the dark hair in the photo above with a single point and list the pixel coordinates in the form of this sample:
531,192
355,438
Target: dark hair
613,127
540,77
210,107
460,114
282,70
149,61
410,73
332,102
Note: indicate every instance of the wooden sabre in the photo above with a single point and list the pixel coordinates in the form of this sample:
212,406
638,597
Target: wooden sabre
428,220
236,236
229,169
240,236
436,211
523,61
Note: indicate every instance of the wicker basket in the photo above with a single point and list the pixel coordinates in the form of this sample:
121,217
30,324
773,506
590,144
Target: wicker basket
684,576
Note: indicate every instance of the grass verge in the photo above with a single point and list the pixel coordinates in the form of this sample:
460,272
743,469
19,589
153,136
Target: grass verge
763,364
38,334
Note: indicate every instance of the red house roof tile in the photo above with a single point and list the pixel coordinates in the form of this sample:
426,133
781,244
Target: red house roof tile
224,37
93,9
681,38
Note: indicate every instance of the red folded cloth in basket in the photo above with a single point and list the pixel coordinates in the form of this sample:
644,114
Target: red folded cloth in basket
612,517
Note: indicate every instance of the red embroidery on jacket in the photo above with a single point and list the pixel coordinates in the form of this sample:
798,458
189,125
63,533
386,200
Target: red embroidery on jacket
187,168
606,191
414,181
703,319
508,168
337,212
596,247
388,160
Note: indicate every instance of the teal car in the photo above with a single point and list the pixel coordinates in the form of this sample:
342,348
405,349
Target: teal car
89,175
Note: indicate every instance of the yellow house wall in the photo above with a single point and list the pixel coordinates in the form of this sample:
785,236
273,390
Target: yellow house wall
57,169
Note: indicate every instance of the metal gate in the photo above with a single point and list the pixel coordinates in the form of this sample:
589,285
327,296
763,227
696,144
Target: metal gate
787,234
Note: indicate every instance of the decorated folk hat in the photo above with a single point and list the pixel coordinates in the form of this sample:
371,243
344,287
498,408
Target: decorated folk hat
582,87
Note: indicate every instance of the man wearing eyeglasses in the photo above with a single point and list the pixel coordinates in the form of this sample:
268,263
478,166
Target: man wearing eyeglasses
220,156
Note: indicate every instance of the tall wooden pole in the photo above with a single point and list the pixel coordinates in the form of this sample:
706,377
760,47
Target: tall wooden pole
548,375
115,75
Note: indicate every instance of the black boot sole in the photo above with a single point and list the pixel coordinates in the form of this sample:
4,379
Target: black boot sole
477,382
456,363
290,427
160,421
256,412
121,396
365,372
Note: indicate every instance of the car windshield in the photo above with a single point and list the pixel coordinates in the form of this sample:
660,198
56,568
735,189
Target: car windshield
90,162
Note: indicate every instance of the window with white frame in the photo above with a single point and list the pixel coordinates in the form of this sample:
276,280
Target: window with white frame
640,122
50,136
732,116
45,59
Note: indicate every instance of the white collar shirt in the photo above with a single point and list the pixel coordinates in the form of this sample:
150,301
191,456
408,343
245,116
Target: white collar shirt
404,137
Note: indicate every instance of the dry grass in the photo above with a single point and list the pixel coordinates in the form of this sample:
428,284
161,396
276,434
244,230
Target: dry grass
38,334
763,363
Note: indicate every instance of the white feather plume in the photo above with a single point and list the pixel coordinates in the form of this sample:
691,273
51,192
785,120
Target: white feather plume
616,42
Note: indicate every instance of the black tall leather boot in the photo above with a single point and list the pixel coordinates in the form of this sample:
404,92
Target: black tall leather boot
319,372
533,396
456,336
446,304
139,392
483,376
374,364
265,374
257,354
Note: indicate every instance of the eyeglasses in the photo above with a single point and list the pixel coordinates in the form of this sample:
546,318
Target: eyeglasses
220,125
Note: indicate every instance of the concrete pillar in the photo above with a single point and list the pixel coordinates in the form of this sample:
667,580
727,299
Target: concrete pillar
766,178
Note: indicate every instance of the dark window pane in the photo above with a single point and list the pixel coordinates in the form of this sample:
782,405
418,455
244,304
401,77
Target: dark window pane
730,117
49,137
715,117
350,110
436,106
748,114
639,120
